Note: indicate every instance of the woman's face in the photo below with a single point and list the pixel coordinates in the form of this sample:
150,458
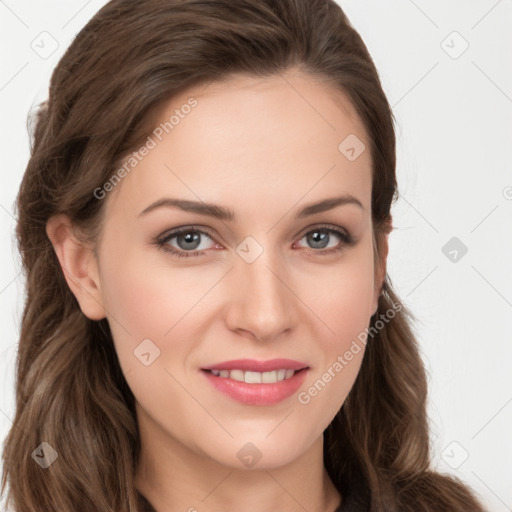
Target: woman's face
268,283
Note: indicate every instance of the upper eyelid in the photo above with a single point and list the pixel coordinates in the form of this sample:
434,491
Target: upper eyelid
171,233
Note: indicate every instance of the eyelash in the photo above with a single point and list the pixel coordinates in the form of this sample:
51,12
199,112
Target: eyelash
162,242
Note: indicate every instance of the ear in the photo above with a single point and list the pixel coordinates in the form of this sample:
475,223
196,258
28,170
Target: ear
381,264
78,264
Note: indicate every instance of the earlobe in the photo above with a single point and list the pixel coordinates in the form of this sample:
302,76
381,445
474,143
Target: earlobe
78,265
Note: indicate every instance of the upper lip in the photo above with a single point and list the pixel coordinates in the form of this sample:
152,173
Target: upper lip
252,365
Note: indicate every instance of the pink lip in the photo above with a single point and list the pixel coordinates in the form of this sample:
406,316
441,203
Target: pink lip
257,394
251,365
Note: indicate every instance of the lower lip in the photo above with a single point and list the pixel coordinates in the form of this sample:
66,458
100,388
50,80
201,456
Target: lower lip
257,394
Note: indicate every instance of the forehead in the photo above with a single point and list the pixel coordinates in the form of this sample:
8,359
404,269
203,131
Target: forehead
276,136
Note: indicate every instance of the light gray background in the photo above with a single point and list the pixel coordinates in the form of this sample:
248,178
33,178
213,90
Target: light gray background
454,115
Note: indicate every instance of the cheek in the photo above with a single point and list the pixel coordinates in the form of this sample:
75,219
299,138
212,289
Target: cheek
341,349
343,311
151,315
341,296
146,297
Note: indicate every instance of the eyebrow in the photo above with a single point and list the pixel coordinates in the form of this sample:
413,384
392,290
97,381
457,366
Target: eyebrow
222,213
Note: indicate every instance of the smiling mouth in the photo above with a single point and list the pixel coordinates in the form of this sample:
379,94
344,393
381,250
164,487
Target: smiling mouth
250,377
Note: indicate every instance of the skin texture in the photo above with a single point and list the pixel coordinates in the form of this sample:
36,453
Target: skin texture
263,147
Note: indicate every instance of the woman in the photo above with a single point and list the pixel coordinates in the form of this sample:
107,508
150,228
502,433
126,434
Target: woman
277,362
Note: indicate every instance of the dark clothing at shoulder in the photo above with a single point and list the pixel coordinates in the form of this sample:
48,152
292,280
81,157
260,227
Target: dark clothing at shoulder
349,504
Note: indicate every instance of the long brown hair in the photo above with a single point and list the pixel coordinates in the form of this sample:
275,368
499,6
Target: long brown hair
70,390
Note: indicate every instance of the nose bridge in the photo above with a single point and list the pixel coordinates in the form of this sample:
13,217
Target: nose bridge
262,303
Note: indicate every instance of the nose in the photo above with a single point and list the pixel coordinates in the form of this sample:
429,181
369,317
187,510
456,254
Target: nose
261,301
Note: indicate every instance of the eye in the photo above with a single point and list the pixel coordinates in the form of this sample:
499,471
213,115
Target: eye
188,239
192,241
321,237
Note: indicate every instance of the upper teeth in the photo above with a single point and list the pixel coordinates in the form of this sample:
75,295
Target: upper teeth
255,377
